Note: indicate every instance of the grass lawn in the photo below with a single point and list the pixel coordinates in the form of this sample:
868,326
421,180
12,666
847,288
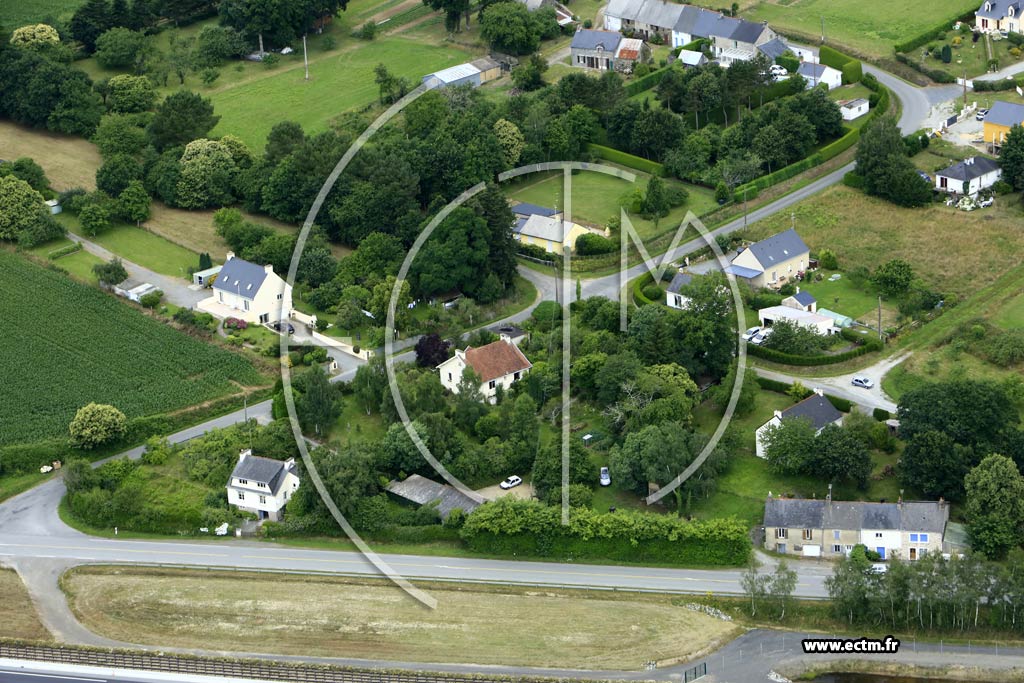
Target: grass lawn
843,296
79,264
595,198
970,58
950,250
139,246
326,616
18,617
743,488
871,27
20,12
93,347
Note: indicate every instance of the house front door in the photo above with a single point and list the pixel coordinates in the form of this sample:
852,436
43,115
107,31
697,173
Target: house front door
780,547
881,551
913,553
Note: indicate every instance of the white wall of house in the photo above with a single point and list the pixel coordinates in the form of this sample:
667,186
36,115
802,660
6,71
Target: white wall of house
945,184
451,374
271,303
774,273
612,23
680,38
890,541
854,112
775,421
251,497
676,300
917,543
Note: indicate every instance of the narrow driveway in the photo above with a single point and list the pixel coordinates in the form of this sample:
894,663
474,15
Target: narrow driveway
175,290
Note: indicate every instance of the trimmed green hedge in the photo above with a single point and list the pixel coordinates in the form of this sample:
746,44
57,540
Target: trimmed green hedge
773,385
853,71
639,298
647,82
841,404
528,528
937,75
626,159
65,251
934,33
995,86
793,359
791,63
880,414
849,66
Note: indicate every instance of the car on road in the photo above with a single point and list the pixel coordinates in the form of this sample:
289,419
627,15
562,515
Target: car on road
879,568
511,482
751,333
980,116
862,382
606,477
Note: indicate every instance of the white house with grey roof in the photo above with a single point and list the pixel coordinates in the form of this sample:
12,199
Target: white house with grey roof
827,528
250,292
803,301
773,261
816,74
999,15
815,408
262,486
674,296
968,177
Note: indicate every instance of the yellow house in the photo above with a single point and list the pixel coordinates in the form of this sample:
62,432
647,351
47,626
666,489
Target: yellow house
551,233
772,261
1000,118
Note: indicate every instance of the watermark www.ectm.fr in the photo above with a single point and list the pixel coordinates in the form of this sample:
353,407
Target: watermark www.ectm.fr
887,645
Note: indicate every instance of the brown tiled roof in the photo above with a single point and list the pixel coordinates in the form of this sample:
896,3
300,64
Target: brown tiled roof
496,360
629,54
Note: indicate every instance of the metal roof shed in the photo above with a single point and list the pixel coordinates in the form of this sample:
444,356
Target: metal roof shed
460,74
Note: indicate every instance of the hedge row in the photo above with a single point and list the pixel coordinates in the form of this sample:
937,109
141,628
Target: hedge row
995,86
937,75
793,359
528,528
934,33
647,82
626,159
64,251
849,66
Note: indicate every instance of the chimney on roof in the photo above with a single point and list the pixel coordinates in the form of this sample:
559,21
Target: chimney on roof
269,269
778,414
244,453
230,255
289,464
828,498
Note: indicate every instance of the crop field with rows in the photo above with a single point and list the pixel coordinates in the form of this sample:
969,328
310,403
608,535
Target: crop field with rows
65,344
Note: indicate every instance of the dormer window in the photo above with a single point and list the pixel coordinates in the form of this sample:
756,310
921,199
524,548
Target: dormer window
988,6
1011,10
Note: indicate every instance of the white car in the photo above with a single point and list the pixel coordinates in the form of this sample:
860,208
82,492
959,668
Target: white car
778,71
761,336
862,382
751,333
606,478
511,482
879,568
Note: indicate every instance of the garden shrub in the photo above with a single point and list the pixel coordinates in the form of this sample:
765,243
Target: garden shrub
880,414
592,244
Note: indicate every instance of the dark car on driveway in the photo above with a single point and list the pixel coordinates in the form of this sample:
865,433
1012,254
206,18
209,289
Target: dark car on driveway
287,326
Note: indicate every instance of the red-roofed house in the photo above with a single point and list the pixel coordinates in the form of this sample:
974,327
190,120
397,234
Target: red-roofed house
499,363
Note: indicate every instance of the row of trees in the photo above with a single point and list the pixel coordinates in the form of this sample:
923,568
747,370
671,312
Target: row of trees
931,594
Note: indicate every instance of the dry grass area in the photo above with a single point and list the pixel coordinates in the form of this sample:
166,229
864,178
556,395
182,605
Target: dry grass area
68,161
18,617
953,251
326,616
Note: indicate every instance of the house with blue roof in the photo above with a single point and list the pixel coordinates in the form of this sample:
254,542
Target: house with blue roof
249,292
803,301
816,74
593,49
771,262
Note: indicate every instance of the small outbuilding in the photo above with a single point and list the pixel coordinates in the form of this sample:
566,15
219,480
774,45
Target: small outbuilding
489,69
54,206
968,177
423,491
816,74
133,290
460,74
853,109
205,278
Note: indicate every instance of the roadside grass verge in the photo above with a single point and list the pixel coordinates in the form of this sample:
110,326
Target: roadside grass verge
342,617
18,617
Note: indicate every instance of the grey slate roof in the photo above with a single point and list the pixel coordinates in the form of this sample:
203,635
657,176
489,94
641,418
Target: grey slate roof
266,470
424,491
688,18
912,516
590,39
679,281
778,248
659,13
774,48
811,71
998,9
527,209
747,31
1005,113
804,298
240,277
962,170
816,408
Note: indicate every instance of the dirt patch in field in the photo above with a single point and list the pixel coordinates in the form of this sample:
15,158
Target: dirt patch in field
326,616
18,617
68,161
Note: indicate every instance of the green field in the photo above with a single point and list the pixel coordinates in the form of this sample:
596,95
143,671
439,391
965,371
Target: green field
16,13
68,344
871,27
338,83
595,198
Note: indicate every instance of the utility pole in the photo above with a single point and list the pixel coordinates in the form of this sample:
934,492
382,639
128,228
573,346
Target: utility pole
823,29
965,88
880,318
305,56
744,207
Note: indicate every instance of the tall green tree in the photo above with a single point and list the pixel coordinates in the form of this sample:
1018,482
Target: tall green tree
20,207
995,506
320,402
181,118
1011,157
